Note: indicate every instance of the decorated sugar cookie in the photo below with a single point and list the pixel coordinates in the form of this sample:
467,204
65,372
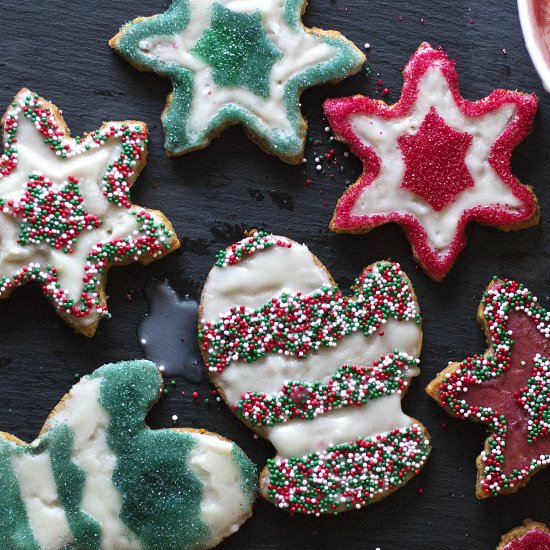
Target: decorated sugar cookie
66,215
530,536
434,161
236,62
319,374
98,477
507,388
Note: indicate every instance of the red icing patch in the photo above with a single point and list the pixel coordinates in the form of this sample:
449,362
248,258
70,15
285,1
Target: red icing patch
532,540
436,264
435,161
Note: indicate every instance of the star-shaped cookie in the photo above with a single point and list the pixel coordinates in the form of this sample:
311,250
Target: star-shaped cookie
236,62
434,161
507,388
66,214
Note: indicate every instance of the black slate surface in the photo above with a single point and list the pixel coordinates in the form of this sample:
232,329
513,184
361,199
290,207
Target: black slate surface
59,49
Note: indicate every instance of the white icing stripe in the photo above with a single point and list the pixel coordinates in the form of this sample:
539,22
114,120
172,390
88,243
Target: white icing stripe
257,279
89,422
223,502
386,195
269,374
300,51
302,437
46,515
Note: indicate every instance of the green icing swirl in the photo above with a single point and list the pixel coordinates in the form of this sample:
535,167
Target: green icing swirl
157,487
347,60
15,531
70,479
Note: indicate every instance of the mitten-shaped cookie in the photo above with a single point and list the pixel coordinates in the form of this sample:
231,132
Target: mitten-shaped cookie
319,374
97,478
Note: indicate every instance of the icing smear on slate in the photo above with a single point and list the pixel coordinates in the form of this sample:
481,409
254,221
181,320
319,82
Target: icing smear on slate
168,334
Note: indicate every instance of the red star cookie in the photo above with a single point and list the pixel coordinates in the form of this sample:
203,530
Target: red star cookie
434,161
507,388
531,536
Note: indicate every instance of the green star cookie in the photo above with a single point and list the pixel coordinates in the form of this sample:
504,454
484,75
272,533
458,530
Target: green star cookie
236,63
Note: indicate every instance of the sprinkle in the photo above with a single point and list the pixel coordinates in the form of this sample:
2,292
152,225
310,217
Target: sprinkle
300,324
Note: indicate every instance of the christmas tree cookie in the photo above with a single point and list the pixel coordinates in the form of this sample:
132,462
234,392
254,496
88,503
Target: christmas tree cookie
66,215
236,63
507,388
434,161
98,478
530,536
319,374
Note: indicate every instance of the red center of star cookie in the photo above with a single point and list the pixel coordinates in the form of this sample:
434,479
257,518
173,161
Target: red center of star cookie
435,161
507,388
414,161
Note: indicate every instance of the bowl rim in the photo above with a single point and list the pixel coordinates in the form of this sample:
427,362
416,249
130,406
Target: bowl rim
528,29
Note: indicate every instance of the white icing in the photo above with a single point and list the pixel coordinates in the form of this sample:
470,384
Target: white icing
88,167
386,195
89,422
260,277
254,281
269,374
302,437
300,51
38,491
223,502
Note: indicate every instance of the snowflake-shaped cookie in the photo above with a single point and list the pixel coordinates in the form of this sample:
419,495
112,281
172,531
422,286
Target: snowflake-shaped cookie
237,62
434,161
